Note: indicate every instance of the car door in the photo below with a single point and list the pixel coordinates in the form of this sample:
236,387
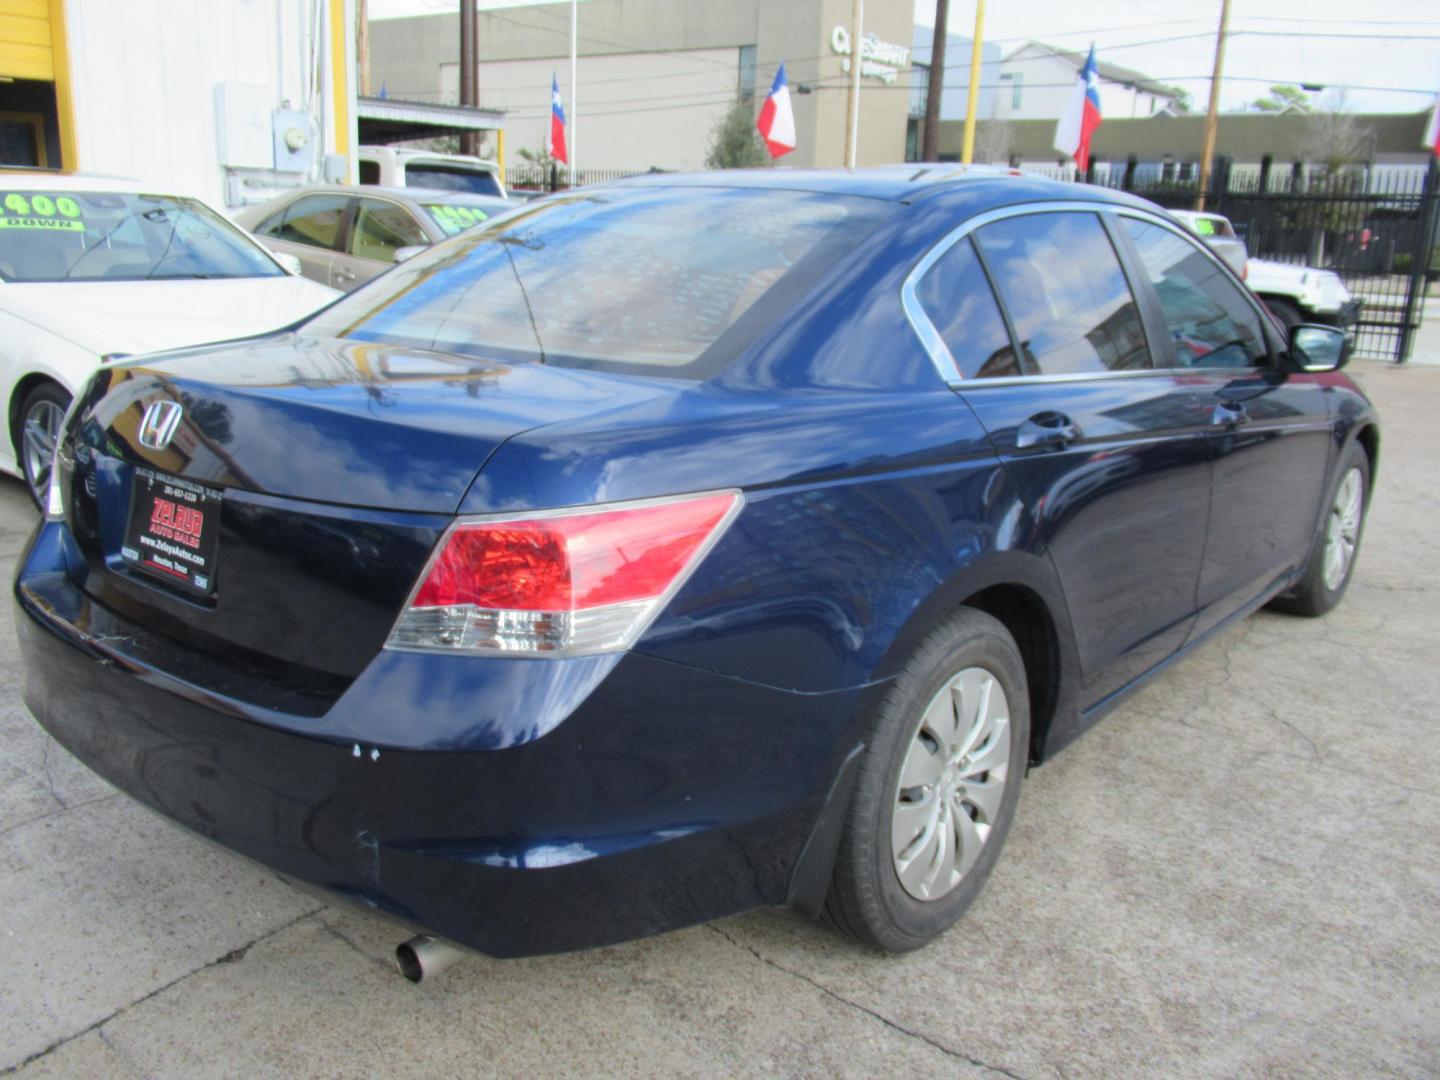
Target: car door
380,228
1269,430
310,228
1108,452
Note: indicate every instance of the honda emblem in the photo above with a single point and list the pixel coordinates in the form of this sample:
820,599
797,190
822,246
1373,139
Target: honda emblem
159,424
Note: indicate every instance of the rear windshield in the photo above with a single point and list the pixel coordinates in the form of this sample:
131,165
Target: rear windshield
108,236
440,177
659,281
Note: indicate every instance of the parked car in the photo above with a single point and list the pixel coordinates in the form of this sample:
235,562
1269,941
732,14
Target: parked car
690,544
96,267
388,167
344,236
1294,294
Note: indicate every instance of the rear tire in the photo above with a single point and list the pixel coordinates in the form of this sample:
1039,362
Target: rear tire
1333,554
40,416
951,738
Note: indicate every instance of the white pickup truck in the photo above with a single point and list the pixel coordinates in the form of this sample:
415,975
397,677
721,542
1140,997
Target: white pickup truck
1295,294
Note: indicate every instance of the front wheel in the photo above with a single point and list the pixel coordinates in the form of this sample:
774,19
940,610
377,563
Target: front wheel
41,414
937,787
1332,560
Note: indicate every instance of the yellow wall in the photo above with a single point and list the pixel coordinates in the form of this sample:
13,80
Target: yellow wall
32,46
25,40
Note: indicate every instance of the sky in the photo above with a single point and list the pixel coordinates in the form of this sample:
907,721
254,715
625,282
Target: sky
1373,50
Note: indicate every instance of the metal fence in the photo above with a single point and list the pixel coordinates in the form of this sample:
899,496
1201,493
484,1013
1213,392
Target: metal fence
1377,232
557,177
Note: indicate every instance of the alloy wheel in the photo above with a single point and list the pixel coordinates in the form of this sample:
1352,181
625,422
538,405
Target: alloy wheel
1342,531
39,433
951,785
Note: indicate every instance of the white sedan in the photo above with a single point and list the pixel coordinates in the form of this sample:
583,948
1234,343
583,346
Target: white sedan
92,268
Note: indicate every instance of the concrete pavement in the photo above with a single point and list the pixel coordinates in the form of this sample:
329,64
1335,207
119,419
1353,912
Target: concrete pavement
1237,873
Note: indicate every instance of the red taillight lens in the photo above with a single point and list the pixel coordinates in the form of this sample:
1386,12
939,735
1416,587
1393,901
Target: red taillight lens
564,583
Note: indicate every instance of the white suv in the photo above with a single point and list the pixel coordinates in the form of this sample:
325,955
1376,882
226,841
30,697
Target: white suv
1295,294
388,167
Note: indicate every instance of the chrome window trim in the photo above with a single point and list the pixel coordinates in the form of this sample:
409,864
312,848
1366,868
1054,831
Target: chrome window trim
939,352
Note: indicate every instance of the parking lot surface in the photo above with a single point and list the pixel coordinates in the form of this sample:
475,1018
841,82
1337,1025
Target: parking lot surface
1236,873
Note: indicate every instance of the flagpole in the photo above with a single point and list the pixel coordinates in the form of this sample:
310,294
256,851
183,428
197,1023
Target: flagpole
852,99
972,102
574,109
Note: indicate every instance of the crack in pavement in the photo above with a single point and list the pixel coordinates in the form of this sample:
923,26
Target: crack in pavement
390,968
64,809
230,957
920,1036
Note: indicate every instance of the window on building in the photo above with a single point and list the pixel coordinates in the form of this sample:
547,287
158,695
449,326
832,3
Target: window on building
957,300
1210,322
1017,87
1067,297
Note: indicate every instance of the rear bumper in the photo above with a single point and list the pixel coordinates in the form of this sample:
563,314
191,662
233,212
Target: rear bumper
662,797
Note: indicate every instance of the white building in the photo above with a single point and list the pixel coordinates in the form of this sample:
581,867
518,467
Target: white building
228,100
1036,80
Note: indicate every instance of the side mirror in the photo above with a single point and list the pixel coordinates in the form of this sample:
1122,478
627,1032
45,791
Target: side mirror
1318,348
289,262
409,251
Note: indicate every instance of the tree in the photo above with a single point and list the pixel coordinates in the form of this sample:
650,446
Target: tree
1285,96
735,142
994,142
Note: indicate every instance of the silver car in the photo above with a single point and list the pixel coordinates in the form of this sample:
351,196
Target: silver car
345,235
1219,234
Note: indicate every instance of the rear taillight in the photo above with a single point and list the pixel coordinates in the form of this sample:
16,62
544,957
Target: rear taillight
561,583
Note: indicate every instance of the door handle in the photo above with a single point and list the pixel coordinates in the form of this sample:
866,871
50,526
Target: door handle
345,275
1046,431
1228,413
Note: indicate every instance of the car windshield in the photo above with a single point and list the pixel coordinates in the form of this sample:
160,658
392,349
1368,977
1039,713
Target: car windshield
115,236
441,177
650,280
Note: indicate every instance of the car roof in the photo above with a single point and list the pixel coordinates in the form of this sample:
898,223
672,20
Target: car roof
41,180
404,194
984,185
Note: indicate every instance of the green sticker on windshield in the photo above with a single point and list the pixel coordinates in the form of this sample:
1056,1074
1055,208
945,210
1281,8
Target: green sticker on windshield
40,211
1204,226
41,223
455,219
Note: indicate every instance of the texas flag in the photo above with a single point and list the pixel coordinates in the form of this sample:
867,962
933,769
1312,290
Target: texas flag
556,142
776,121
1432,129
1081,116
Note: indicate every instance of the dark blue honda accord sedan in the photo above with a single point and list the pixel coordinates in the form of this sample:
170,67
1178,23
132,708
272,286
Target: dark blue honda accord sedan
686,545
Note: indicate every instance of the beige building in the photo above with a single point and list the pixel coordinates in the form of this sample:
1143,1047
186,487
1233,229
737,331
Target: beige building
655,76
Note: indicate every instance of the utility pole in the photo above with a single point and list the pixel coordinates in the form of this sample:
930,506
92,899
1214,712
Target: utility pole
930,140
972,102
362,45
573,135
1207,147
852,99
469,60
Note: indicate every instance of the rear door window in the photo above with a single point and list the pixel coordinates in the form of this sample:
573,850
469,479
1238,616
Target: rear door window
382,228
1210,322
314,220
1061,282
956,298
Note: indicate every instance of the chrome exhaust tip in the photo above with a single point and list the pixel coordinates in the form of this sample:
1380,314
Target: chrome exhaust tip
424,957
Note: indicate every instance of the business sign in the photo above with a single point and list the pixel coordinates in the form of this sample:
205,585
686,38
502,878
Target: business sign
881,60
